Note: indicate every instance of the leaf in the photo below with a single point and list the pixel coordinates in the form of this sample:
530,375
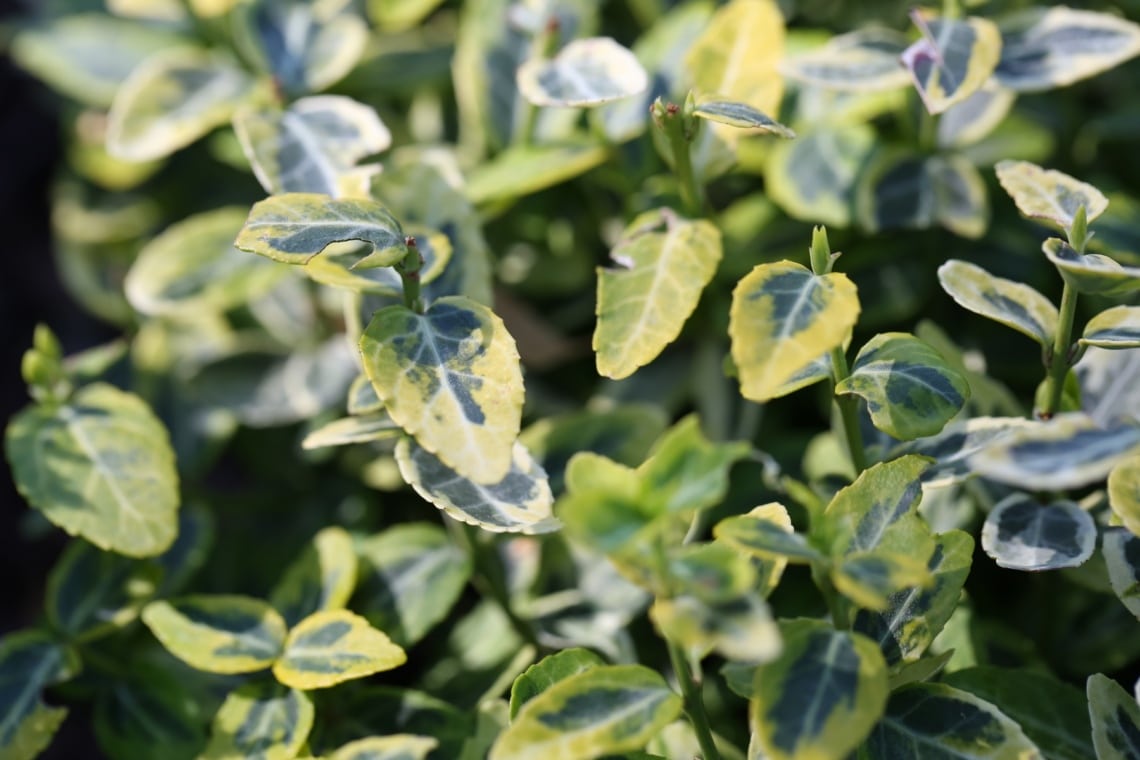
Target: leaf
547,672
370,710
189,550
952,59
663,264
969,121
866,60
1117,327
909,388
362,398
686,472
294,227
333,646
946,722
313,146
813,178
1054,46
782,318
881,505
1052,713
520,502
321,578
171,100
821,697
1021,534
1068,451
30,661
605,505
398,747
363,428
1091,273
451,378
869,579
151,707
523,170
262,720
741,116
91,591
193,269
587,72
1115,719
218,633
759,534
99,467
602,711
915,616
410,577
1109,394
337,266
1049,195
1124,492
1121,550
905,190
304,53
1012,303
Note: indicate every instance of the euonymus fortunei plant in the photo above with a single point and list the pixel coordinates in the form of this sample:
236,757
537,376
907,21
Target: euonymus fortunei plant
767,510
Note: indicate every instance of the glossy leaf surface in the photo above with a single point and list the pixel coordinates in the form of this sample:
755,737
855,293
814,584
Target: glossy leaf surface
866,60
218,633
362,428
547,672
332,646
814,177
1091,273
741,116
1049,195
1121,549
1011,303
1117,327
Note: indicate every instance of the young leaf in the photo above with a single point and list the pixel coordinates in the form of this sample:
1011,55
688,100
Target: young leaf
663,264
1049,195
451,378
1118,327
1115,719
218,633
332,646
294,227
866,60
1121,549
1021,534
313,146
520,502
877,508
813,178
1091,273
90,591
30,661
844,676
909,388
764,535
783,317
173,99
1054,46
604,506
605,710
548,671
947,722
741,116
1012,303
686,471
339,265
100,467
870,579
322,578
363,428
587,72
410,577
263,720
398,747
952,59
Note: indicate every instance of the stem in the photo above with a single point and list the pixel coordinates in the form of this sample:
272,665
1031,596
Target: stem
678,125
544,46
748,420
1059,359
409,270
694,705
848,411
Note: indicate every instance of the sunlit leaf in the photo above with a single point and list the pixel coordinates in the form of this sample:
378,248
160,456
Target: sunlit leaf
1115,719
1021,534
759,534
523,170
218,633
870,579
171,100
605,710
1012,303
362,428
30,661
1121,549
783,317
547,672
1124,493
305,53
1091,273
338,265
866,60
332,646
813,177
1118,327
90,591
1047,194
100,467
1053,46
519,502
398,747
663,263
741,116
952,60
969,121
587,72
687,472
842,677
262,720
321,578
878,509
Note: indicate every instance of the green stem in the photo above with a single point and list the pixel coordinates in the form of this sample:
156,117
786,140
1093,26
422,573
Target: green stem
848,411
409,270
544,46
679,142
1059,359
748,420
694,704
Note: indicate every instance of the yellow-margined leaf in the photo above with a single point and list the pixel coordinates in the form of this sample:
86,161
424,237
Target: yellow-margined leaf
218,633
813,178
1121,550
397,747
587,72
1124,492
766,532
870,579
294,227
1012,303
451,378
969,121
549,671
565,722
878,510
783,317
322,578
952,59
522,170
1115,719
741,116
260,720
30,661
1047,194
1022,534
338,267
1118,327
863,61
362,428
332,646
663,264
1091,273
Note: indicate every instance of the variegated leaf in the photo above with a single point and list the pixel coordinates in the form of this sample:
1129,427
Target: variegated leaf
520,502
362,398
909,388
563,722
294,227
906,190
525,169
1124,492
218,633
952,449
1047,194
260,720
1091,273
30,661
321,578
843,677
763,534
90,591
362,428
686,472
1021,534
878,510
547,672
782,318
663,264
870,579
866,60
1121,549
741,116
397,747
173,99
304,52
149,706
587,72
1115,719
1012,303
1054,46
339,265
313,146
813,177
952,59
1118,327
969,121
332,646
